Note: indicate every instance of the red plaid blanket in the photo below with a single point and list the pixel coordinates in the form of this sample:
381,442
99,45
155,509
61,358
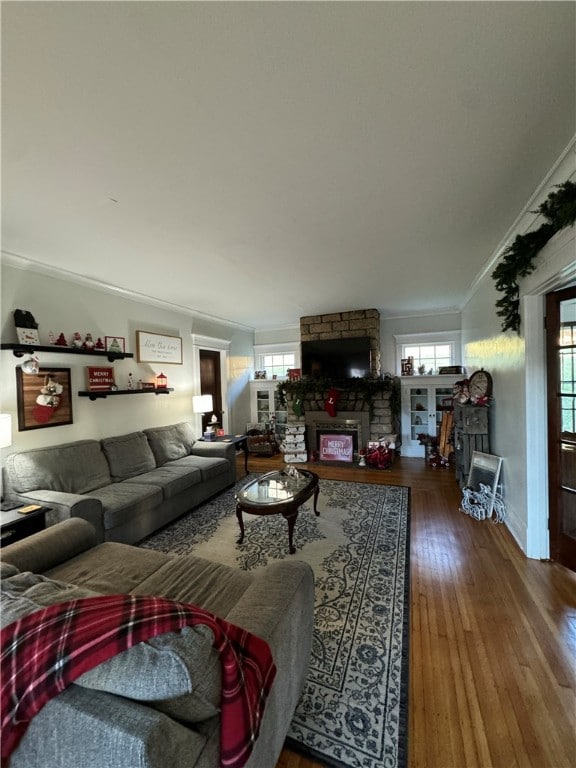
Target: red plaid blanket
44,652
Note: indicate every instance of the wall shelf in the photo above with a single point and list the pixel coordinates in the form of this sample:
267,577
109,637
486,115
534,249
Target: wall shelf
19,350
109,392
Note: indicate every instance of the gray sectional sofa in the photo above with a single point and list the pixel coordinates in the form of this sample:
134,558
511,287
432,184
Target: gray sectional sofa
157,704
126,486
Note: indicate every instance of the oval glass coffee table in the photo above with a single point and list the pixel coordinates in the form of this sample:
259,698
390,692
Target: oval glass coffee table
277,493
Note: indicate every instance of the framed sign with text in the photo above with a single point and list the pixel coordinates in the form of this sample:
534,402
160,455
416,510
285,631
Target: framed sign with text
158,348
336,447
99,379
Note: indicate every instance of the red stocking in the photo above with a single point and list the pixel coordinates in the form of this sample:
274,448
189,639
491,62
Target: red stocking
331,402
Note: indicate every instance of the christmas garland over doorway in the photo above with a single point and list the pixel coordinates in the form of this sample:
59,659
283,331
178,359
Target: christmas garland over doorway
559,210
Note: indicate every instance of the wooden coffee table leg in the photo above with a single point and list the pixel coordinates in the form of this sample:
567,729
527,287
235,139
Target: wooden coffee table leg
316,492
240,523
291,520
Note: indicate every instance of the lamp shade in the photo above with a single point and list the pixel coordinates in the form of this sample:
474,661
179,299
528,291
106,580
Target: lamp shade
5,430
202,403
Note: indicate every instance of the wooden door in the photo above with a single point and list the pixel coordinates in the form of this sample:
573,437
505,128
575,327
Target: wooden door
561,365
211,383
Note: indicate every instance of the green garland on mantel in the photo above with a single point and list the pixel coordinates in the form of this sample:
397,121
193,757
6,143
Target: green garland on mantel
559,210
366,388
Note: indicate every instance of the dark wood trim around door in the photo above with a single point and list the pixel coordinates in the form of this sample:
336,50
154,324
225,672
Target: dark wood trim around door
561,444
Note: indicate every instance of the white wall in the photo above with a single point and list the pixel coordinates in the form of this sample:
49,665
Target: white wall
517,365
62,305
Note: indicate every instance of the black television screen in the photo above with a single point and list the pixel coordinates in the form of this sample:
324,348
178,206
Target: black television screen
336,358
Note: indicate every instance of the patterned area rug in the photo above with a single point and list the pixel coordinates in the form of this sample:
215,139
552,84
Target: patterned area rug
353,710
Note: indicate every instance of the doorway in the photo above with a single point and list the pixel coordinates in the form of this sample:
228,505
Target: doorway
211,384
561,372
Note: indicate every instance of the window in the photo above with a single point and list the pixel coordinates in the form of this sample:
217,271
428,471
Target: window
568,376
429,350
431,356
276,360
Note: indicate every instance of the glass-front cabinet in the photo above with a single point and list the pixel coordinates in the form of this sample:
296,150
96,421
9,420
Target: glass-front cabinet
424,400
265,407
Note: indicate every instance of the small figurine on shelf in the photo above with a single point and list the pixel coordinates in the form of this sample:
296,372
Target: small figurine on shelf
88,342
130,381
77,340
99,343
51,338
61,341
361,457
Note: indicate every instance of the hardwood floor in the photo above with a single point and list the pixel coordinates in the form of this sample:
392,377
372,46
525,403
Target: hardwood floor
493,635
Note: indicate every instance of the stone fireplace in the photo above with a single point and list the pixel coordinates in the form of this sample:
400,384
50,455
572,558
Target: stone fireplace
346,325
354,414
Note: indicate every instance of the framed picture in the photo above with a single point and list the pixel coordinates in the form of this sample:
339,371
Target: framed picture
115,343
158,348
481,492
44,399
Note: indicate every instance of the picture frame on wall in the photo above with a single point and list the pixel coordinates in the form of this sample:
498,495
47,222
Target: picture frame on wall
115,344
158,348
44,399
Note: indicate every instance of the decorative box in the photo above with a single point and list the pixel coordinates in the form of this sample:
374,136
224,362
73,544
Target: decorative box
28,336
296,458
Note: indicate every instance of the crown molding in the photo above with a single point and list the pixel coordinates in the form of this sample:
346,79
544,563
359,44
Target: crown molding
20,262
522,224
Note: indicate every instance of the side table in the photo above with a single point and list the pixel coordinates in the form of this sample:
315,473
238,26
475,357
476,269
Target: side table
15,526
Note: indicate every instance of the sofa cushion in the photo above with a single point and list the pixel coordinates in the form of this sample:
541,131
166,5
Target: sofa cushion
24,593
110,568
177,665
121,502
190,579
78,467
128,455
171,442
208,466
171,479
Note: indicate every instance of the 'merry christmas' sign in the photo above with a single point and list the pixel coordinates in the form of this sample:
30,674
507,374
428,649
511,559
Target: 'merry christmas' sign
336,448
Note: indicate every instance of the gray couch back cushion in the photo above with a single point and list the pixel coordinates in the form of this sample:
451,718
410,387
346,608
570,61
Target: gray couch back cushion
171,442
78,467
128,455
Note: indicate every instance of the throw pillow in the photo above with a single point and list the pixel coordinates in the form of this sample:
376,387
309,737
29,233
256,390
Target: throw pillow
128,455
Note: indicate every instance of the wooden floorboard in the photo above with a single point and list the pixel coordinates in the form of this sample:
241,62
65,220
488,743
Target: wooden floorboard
492,635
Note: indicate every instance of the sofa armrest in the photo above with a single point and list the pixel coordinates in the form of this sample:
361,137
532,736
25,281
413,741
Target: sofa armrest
66,505
215,450
45,549
279,607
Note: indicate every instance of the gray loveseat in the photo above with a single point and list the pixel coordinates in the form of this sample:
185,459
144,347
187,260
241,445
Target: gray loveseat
126,486
157,704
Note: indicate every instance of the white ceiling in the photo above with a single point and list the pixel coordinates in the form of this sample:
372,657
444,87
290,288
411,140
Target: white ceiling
261,161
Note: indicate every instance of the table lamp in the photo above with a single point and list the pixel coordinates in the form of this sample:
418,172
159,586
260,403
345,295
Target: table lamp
202,404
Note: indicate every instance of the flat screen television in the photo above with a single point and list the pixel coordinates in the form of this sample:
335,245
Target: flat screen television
336,358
